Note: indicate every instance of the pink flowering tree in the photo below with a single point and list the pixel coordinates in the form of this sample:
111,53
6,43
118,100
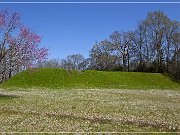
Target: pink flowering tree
19,46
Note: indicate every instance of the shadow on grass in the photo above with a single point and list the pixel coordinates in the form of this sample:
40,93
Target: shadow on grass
6,97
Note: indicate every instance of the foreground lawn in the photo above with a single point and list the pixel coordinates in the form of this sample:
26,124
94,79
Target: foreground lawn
37,110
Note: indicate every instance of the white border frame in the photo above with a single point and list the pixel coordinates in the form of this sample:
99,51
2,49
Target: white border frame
88,2
88,132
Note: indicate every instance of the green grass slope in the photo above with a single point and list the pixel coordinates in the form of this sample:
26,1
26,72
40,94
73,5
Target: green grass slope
59,78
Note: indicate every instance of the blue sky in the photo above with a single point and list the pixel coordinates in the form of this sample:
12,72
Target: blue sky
74,28
85,0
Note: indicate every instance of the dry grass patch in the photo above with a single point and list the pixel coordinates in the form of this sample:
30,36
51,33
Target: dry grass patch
90,110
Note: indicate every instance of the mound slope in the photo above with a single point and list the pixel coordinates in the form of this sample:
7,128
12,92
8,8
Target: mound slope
60,78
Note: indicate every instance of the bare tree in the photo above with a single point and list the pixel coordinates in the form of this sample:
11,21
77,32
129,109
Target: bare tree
175,66
172,28
121,42
52,63
103,56
74,62
156,30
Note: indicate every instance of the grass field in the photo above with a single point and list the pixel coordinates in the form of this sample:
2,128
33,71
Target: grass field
89,110
62,79
56,100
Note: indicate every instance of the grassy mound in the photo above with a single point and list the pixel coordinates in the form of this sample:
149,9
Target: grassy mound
59,78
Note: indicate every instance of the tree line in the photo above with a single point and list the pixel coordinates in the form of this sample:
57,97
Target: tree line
154,46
